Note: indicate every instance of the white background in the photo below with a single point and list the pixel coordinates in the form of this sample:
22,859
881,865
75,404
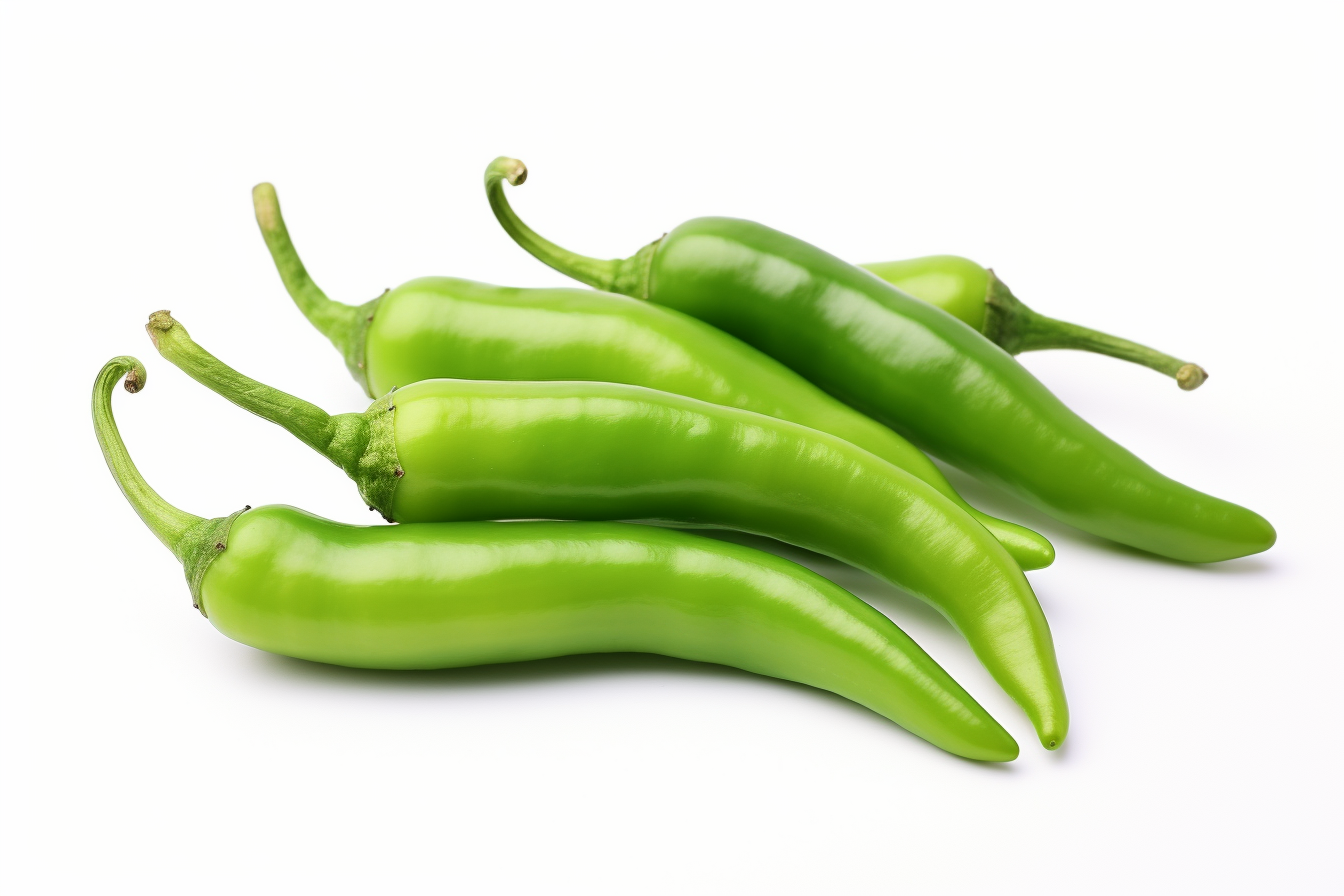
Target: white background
1170,172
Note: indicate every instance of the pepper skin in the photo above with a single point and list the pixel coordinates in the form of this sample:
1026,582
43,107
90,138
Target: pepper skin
977,297
441,327
447,450
912,366
441,595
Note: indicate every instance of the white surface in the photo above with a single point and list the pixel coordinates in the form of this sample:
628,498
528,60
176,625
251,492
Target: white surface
1167,172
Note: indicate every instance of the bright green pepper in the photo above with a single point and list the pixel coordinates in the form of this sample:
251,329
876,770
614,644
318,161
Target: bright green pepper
976,296
432,596
440,327
446,450
912,366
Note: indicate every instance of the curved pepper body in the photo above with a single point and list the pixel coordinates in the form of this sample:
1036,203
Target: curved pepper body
601,451
459,594
434,596
449,450
443,327
933,378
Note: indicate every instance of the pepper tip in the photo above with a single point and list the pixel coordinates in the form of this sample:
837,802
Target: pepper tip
1005,752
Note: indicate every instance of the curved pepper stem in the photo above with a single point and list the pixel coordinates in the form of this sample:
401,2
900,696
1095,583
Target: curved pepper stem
337,438
345,325
1016,328
628,276
194,541
168,523
363,445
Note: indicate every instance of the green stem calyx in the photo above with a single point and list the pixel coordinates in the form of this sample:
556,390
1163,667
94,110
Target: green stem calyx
627,276
194,541
347,326
363,445
1017,328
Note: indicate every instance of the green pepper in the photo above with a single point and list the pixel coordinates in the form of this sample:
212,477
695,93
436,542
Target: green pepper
432,596
976,296
912,366
440,327
448,450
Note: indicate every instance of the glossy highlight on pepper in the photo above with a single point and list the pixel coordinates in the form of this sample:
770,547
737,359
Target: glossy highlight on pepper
911,366
444,450
430,596
441,327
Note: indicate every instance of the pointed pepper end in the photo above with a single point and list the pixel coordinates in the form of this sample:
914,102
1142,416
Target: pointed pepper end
1052,738
1006,751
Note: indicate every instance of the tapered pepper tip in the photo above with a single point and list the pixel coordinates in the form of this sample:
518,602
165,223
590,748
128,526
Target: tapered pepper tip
267,206
1052,738
1191,377
159,322
1050,718
1003,749
512,170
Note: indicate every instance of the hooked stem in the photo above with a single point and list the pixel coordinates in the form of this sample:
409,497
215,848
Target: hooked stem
345,325
194,541
338,438
1017,328
169,524
628,276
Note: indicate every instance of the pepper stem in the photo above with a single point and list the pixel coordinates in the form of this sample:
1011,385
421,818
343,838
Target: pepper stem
194,541
627,276
341,438
1016,328
169,524
345,325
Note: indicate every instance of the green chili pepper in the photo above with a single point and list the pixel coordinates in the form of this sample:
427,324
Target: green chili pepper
912,366
446,450
432,596
440,327
974,295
